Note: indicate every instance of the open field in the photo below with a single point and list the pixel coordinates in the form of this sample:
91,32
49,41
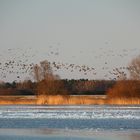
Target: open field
68,100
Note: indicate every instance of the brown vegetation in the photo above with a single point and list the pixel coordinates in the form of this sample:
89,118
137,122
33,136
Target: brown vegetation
51,87
17,100
123,101
51,90
69,100
134,68
47,82
125,89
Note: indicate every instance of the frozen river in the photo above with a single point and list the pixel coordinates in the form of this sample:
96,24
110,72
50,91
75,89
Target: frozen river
69,122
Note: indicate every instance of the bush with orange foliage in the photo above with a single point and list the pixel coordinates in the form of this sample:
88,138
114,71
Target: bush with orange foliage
51,87
125,89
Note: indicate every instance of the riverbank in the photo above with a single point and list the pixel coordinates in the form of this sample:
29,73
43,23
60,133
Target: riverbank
67,100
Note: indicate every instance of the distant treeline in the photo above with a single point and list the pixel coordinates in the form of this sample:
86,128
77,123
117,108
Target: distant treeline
88,87
73,87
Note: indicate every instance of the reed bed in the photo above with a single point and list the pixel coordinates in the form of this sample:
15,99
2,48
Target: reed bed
17,101
124,101
85,100
70,100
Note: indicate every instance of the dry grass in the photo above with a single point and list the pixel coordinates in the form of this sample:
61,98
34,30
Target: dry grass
15,102
70,100
124,101
85,100
7,100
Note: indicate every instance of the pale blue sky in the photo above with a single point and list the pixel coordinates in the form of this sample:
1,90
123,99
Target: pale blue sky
89,32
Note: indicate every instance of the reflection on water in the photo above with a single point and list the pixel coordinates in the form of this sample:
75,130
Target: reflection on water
57,134
69,122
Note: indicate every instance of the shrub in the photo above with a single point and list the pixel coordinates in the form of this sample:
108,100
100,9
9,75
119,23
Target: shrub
125,89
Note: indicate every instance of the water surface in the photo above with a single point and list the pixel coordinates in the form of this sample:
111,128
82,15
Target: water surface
70,122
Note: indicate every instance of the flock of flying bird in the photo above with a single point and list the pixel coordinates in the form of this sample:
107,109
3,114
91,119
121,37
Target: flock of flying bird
20,65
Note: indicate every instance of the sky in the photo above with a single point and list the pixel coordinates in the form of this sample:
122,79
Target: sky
103,34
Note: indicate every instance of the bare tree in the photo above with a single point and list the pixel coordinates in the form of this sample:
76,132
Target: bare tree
36,73
42,71
46,70
47,82
134,68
